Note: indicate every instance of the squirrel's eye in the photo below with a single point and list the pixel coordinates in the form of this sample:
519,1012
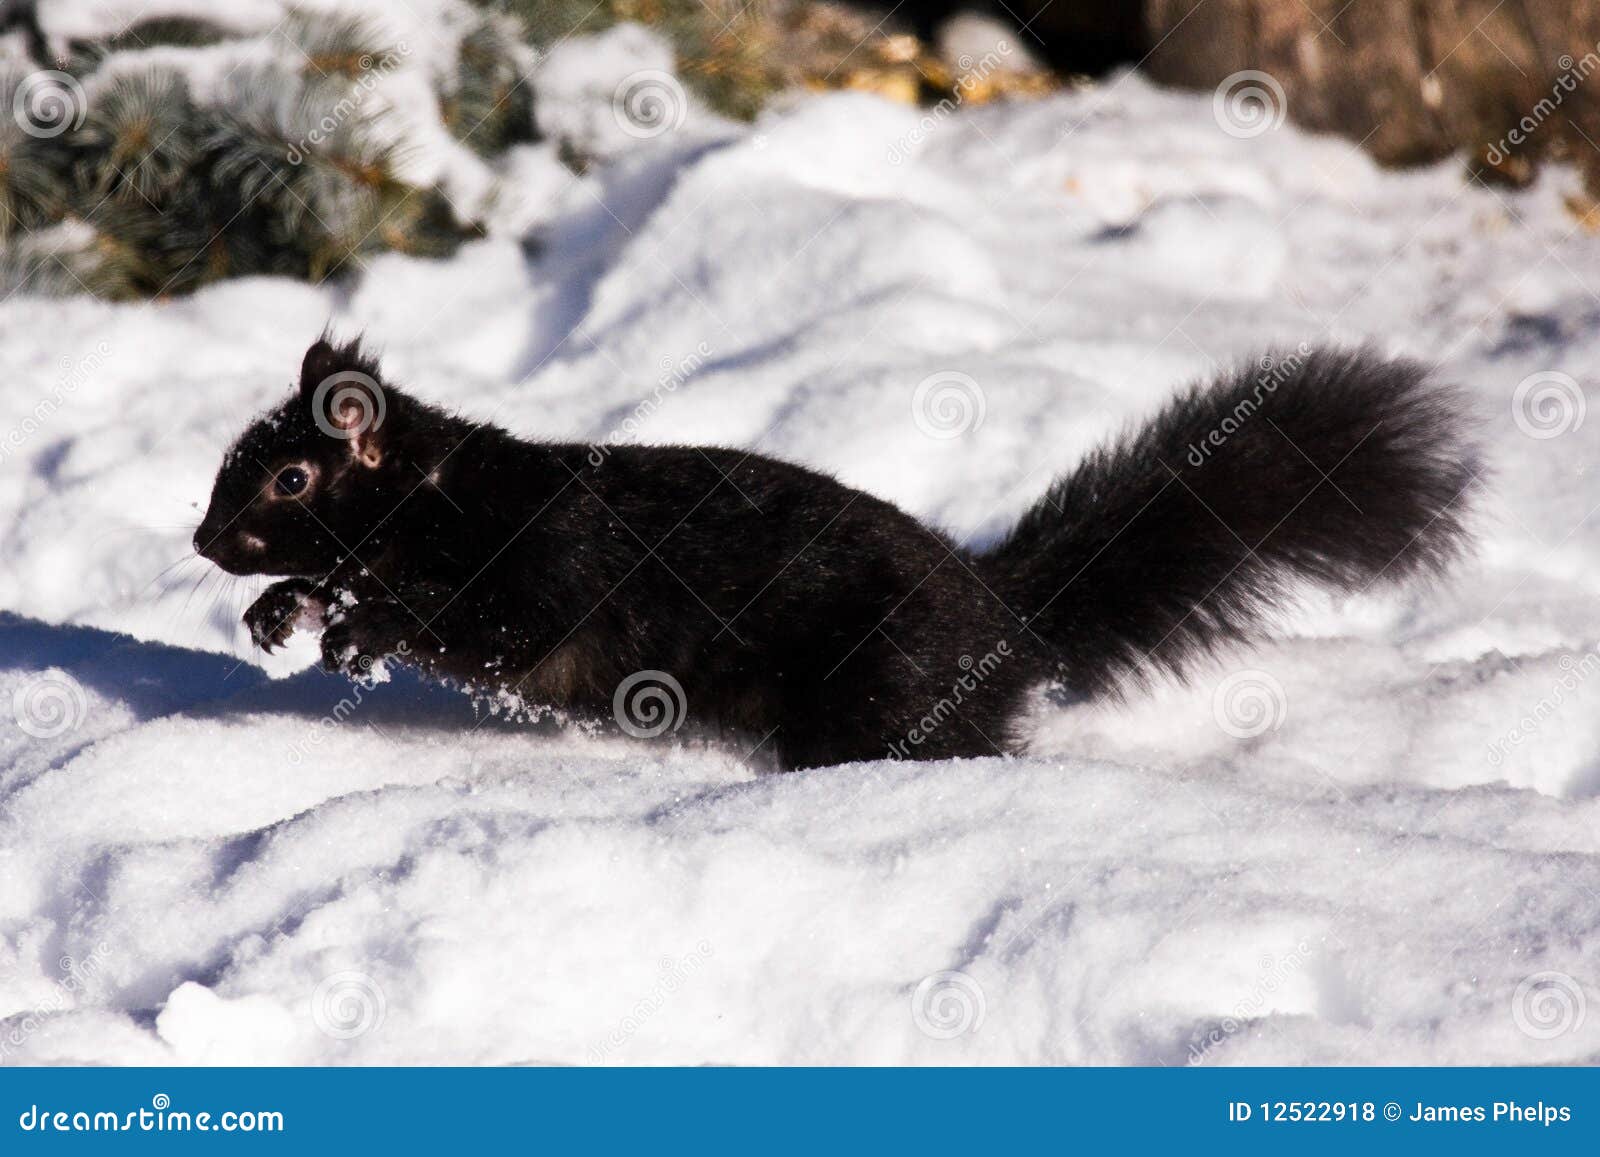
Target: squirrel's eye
291,480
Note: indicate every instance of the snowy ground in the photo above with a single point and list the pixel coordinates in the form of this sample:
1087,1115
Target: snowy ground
1395,858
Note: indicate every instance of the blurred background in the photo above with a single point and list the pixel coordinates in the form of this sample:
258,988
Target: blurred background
165,144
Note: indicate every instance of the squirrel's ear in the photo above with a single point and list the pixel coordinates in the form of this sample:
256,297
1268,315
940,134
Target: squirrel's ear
347,401
320,361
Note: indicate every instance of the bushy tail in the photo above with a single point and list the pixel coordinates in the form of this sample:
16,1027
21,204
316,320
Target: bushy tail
1173,542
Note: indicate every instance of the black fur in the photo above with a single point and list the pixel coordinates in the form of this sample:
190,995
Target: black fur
822,624
1173,543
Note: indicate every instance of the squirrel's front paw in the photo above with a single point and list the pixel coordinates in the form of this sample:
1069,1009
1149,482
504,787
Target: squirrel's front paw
272,618
362,640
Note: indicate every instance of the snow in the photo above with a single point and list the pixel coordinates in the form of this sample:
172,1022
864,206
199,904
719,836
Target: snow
1375,841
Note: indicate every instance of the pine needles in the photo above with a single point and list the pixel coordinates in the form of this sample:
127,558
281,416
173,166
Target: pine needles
137,189
118,177
490,107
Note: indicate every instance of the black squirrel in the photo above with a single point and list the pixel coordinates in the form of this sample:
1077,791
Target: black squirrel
774,602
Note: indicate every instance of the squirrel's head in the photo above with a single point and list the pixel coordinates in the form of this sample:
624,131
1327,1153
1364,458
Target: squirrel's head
306,485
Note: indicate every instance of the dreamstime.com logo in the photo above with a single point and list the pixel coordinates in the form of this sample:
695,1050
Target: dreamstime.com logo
73,375
973,674
48,705
48,103
347,405
649,103
673,374
972,73
1548,404
1548,1004
1575,671
372,73
160,1117
368,673
1248,704
348,1004
1248,104
1573,73
1273,372
948,404
674,974
649,703
75,979
948,1004
1275,974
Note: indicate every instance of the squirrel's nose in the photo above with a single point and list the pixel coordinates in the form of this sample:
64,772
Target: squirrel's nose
205,539
235,550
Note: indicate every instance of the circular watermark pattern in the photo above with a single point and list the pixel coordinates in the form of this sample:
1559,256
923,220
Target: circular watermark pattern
1548,404
947,1005
1248,104
649,103
48,103
348,404
948,404
648,704
1548,1004
49,705
1249,703
348,1004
